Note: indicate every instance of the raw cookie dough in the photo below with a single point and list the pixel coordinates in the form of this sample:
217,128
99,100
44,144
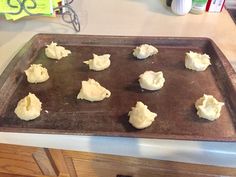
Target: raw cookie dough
144,51
36,73
56,52
93,91
28,108
99,62
196,61
208,107
151,80
140,116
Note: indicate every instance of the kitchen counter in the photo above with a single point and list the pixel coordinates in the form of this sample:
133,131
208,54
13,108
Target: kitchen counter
132,18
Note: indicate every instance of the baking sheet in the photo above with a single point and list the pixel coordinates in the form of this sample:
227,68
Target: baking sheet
174,104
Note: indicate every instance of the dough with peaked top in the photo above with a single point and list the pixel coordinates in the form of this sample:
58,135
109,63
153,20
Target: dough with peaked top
28,108
196,61
151,80
36,73
54,51
208,107
93,91
140,116
144,51
99,62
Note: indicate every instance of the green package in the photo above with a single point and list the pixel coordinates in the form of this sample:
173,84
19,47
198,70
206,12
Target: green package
44,7
198,6
199,2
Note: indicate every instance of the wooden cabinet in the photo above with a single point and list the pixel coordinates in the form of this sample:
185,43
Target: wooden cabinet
19,161
25,161
22,161
83,164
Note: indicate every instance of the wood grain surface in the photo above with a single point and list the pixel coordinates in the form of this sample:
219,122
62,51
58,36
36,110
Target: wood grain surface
58,162
16,175
17,161
24,161
101,165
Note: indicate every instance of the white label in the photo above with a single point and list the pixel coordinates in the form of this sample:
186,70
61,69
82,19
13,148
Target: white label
216,5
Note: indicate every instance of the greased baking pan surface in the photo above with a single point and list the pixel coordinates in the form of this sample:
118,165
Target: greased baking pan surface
176,117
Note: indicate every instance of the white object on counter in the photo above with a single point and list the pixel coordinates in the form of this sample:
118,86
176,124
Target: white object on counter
215,5
181,7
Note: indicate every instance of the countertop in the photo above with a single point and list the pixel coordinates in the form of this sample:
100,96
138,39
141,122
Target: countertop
130,18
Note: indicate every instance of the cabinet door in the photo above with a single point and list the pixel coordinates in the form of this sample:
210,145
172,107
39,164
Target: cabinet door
15,175
19,161
25,161
81,164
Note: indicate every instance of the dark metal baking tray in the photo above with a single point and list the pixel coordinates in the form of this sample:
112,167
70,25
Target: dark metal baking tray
174,104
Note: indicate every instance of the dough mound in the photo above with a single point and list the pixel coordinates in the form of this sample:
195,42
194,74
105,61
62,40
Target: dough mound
56,52
151,80
99,62
144,51
196,61
140,116
36,73
93,91
28,108
208,107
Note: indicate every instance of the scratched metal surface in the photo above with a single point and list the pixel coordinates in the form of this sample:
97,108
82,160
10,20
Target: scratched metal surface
174,103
